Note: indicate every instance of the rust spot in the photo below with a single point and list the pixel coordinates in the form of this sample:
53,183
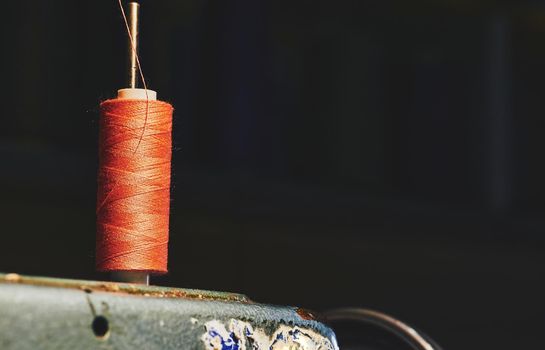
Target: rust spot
111,287
305,314
12,277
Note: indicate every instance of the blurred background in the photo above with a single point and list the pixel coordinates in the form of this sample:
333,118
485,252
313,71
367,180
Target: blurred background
381,153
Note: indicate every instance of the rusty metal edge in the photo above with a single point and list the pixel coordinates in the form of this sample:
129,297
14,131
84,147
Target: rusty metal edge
123,288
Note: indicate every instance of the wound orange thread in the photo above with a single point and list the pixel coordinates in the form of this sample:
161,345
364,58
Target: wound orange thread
133,200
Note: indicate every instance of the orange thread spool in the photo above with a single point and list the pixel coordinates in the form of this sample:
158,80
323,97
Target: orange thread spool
133,200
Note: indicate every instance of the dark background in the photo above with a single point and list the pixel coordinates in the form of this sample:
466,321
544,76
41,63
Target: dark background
386,154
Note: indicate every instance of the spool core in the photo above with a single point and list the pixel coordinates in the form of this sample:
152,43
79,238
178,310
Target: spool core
133,93
136,94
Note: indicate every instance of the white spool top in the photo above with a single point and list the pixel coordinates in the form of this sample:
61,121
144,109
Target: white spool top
136,94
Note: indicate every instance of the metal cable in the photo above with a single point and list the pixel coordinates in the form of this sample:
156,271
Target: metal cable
409,335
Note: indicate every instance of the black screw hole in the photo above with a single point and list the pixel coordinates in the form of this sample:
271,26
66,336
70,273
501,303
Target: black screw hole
100,326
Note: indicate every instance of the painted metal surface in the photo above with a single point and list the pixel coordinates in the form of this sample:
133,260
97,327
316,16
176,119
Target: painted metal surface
241,335
41,313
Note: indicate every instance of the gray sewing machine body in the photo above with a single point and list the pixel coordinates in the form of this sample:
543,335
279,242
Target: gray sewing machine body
44,313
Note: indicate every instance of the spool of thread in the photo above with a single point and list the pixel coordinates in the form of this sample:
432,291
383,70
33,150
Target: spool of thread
133,199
